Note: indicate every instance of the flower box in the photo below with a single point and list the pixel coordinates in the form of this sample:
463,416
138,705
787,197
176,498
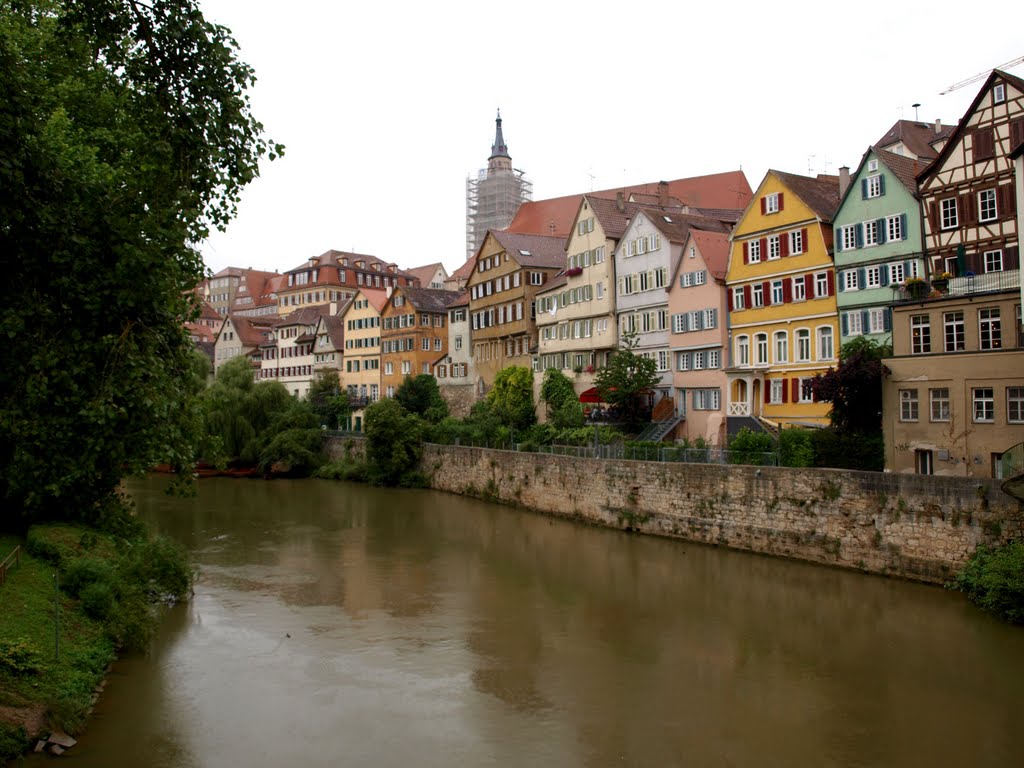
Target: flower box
574,271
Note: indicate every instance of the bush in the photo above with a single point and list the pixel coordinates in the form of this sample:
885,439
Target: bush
796,448
98,600
19,657
343,469
994,580
13,741
393,442
749,447
86,571
848,450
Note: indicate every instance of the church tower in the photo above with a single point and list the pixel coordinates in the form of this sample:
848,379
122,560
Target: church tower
494,196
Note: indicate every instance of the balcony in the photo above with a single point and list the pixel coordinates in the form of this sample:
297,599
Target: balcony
739,409
965,285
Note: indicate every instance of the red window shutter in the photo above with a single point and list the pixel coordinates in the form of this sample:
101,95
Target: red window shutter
933,215
784,244
764,205
767,392
831,282
746,253
785,392
795,383
746,296
814,394
781,200
764,249
787,291
766,291
806,242
728,297
1011,258
968,209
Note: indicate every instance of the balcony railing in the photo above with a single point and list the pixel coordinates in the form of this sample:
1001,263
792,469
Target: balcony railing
739,409
964,285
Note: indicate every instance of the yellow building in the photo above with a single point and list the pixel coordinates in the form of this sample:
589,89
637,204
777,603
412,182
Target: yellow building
360,367
783,327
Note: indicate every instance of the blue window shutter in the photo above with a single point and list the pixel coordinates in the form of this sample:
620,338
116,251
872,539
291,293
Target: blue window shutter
862,278
842,281
903,225
860,235
887,320
882,231
838,240
881,183
907,266
883,274
865,320
863,189
846,325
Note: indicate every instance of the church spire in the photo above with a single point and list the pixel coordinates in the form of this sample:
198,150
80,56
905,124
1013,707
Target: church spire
498,148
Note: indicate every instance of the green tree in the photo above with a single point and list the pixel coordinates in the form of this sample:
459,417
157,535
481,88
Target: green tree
511,397
421,396
393,443
855,387
328,401
627,379
126,134
563,406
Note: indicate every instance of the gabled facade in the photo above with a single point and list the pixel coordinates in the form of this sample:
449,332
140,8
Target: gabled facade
508,272
782,301
234,288
336,276
241,335
414,333
429,276
329,347
288,355
645,258
967,193
360,369
576,311
878,243
698,340
454,370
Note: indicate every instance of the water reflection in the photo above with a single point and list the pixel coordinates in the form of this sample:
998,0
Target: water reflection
344,625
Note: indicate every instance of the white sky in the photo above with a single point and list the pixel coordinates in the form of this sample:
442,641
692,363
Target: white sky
386,108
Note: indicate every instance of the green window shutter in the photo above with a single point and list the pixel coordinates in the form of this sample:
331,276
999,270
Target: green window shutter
881,183
903,225
863,189
882,231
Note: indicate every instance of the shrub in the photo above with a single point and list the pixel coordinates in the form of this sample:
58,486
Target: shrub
85,571
848,450
13,741
749,447
796,448
994,580
344,469
19,657
98,600
393,442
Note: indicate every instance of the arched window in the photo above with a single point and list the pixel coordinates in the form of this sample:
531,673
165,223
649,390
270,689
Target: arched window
825,346
781,347
761,348
743,350
803,345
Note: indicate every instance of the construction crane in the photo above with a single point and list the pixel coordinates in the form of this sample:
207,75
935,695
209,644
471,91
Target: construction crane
982,75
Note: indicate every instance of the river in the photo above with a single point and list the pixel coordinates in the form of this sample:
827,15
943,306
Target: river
340,625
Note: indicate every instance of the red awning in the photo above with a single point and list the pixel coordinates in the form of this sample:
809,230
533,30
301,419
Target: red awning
591,396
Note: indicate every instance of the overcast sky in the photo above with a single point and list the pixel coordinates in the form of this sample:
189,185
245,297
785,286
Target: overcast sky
386,108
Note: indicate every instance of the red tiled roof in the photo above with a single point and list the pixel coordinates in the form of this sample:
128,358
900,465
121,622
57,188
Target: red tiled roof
915,136
556,215
424,273
429,299
714,247
335,327
461,299
378,297
532,250
305,315
252,331
821,195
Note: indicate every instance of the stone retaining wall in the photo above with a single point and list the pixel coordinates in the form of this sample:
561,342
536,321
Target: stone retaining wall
913,526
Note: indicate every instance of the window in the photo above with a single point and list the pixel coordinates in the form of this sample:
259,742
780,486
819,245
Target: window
799,288
873,186
993,261
781,347
737,298
1015,405
938,403
774,247
437,344
999,93
714,358
894,228
850,280
871,232
754,251
896,273
920,335
537,278
820,285
989,336
807,390
848,237
803,345
776,391
872,277
908,405
679,323
987,205
663,360
425,343
698,360
771,203
757,295
876,320
984,402
949,217
825,345
389,368
710,318
706,399
953,324
796,242
743,350
406,367
761,348
682,361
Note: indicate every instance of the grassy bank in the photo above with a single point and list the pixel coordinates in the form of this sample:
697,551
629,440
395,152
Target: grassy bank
108,589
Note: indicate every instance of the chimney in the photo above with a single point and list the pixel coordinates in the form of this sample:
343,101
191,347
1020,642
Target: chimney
938,126
844,180
620,201
663,194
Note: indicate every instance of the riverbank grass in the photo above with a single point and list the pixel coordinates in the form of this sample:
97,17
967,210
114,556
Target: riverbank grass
109,590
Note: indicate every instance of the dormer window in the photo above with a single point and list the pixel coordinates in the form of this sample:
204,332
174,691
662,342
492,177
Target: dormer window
872,165
999,93
771,203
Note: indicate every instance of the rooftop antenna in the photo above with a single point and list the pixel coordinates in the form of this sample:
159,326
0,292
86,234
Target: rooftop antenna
592,177
915,106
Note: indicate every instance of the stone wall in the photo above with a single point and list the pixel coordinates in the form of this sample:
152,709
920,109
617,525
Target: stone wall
914,526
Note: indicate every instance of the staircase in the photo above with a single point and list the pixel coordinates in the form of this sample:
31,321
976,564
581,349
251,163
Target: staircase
1011,465
657,430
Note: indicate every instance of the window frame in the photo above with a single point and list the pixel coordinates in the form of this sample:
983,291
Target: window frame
910,406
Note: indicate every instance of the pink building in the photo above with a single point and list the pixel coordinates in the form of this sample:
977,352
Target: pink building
698,336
